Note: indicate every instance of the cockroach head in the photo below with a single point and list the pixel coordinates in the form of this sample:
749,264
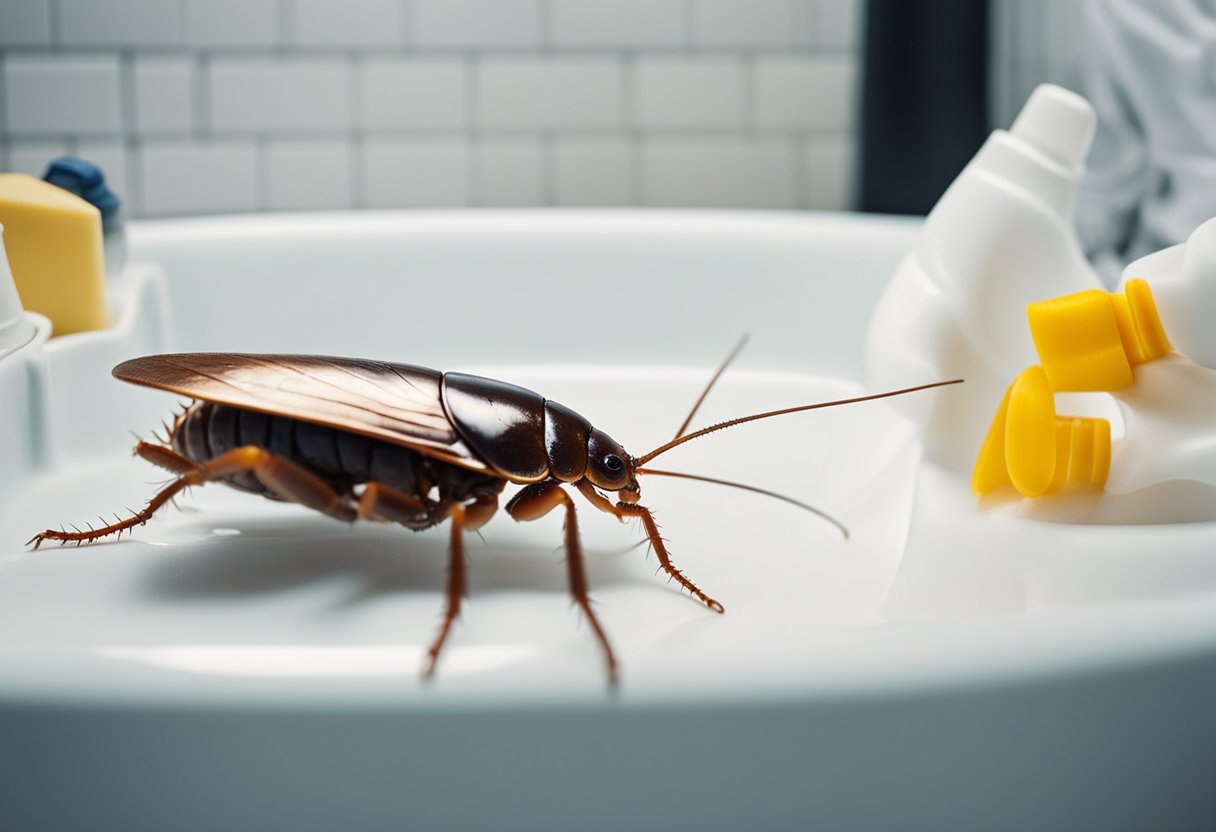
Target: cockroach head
609,466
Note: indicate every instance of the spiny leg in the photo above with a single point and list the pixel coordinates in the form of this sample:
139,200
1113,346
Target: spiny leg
623,510
456,589
163,457
282,476
539,499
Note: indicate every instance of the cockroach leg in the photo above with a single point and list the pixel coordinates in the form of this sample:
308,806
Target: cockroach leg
537,500
284,477
479,512
456,590
163,457
383,502
597,499
660,549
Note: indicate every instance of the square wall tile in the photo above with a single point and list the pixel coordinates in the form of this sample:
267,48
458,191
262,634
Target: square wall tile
350,23
539,93
837,23
628,24
270,95
689,92
818,93
508,172
465,24
228,24
719,172
190,178
593,171
111,157
743,22
308,175
402,94
33,157
25,23
416,174
121,22
61,93
830,174
164,94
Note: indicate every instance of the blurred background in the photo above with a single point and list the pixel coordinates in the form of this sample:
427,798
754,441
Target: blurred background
214,106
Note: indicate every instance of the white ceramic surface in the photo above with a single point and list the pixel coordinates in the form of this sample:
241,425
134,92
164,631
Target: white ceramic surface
245,665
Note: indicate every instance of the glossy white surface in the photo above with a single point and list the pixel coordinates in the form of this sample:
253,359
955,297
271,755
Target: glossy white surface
251,665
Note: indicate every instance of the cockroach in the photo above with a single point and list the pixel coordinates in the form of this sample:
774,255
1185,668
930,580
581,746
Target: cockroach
370,440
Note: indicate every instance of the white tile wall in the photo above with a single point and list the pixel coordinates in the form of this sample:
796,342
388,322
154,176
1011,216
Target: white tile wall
591,171
25,23
477,23
508,172
743,22
706,172
817,93
57,94
31,156
828,173
186,177
416,173
308,174
837,23
164,95
228,24
111,157
350,23
120,23
689,92
405,94
532,93
262,95
620,23
239,105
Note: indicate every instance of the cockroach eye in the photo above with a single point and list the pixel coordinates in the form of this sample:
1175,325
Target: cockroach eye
613,464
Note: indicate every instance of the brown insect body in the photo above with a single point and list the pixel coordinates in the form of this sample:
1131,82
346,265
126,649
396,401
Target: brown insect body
357,439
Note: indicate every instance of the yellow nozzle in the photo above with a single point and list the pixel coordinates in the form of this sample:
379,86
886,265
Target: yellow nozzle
1090,341
1037,452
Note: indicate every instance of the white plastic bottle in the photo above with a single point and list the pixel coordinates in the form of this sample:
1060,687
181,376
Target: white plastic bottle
1169,413
999,238
16,327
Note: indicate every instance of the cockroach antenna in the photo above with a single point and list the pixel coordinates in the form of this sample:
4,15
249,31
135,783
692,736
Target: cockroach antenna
662,449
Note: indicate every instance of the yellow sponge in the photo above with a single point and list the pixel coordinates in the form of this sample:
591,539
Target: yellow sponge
53,240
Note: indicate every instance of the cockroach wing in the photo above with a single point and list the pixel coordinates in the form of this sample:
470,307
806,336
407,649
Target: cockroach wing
397,403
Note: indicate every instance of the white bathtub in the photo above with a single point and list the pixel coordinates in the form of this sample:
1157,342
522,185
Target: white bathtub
240,664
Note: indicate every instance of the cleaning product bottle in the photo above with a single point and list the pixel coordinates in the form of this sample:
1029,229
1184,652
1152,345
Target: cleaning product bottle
1152,346
16,329
999,238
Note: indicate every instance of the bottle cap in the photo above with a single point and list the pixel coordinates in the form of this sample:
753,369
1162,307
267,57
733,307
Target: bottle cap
1057,122
1036,451
1090,341
86,180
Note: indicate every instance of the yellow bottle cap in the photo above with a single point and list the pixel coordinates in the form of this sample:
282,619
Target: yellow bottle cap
1037,452
1140,326
1090,341
1078,341
1030,433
